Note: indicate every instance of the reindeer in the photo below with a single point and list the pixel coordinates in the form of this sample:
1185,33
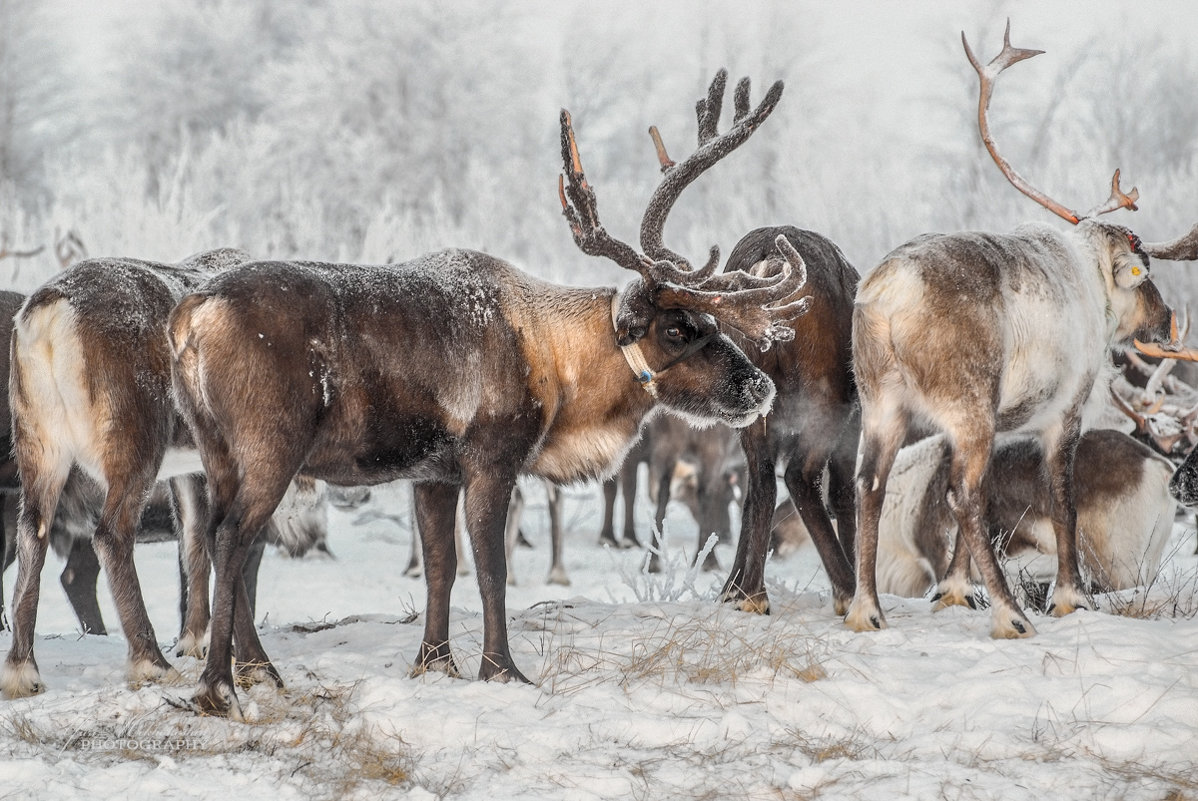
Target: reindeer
90,391
976,333
461,372
814,424
687,464
1124,513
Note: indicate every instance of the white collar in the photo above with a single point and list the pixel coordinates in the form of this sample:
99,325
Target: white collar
633,355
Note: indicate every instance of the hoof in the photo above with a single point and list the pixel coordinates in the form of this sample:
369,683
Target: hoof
249,674
148,671
756,605
217,700
954,593
496,668
864,617
21,680
191,645
1066,600
435,659
558,576
841,605
1012,625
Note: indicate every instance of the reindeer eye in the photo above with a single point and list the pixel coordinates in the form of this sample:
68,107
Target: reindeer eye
674,332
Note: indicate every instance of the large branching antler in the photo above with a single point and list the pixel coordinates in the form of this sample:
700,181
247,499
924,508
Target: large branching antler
1184,248
756,306
987,77
712,147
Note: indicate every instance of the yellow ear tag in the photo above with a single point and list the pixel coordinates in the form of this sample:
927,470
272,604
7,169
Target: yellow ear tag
1135,271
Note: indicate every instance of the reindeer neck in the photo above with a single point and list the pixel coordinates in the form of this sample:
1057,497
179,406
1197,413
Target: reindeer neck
592,404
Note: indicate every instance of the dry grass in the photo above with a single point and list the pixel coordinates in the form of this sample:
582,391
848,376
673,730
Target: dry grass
311,736
708,650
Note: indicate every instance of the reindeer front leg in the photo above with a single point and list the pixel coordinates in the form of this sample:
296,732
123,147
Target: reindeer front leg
487,493
745,586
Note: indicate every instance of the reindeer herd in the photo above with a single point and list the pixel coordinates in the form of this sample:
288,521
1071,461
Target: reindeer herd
941,407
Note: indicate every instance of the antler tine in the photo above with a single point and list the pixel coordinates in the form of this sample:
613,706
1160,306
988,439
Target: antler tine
1170,350
757,307
712,148
1117,200
708,109
580,208
740,100
1184,248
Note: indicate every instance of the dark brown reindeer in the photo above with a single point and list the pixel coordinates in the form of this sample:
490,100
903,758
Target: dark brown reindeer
814,421
974,334
666,444
90,391
457,370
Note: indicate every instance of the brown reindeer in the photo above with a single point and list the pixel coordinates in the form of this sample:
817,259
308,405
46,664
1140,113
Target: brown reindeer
814,423
89,390
974,334
457,370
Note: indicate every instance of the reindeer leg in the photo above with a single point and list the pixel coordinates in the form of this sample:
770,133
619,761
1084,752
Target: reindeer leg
971,448
803,481
487,492
1060,449
628,477
113,541
956,587
39,499
745,586
557,570
79,579
607,532
511,531
435,513
190,502
880,442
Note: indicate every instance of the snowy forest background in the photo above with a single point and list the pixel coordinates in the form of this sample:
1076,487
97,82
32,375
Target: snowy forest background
369,130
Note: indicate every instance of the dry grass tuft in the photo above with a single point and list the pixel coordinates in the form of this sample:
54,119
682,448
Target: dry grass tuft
310,735
712,649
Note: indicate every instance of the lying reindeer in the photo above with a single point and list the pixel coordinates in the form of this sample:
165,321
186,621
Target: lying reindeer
1124,513
461,372
975,334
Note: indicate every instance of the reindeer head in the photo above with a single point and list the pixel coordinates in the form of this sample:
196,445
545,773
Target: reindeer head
667,319
1121,256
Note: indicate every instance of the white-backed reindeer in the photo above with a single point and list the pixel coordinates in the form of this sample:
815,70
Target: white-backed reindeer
978,333
461,372
89,388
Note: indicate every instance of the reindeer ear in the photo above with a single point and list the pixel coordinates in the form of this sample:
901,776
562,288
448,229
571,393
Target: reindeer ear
1130,271
635,313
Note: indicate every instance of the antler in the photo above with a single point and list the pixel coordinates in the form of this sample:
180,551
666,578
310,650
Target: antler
6,253
69,248
987,76
712,148
1184,248
755,306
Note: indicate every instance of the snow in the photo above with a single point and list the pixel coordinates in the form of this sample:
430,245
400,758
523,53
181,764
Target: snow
646,688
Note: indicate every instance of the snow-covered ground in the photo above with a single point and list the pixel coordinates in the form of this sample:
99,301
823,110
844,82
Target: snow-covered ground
645,688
